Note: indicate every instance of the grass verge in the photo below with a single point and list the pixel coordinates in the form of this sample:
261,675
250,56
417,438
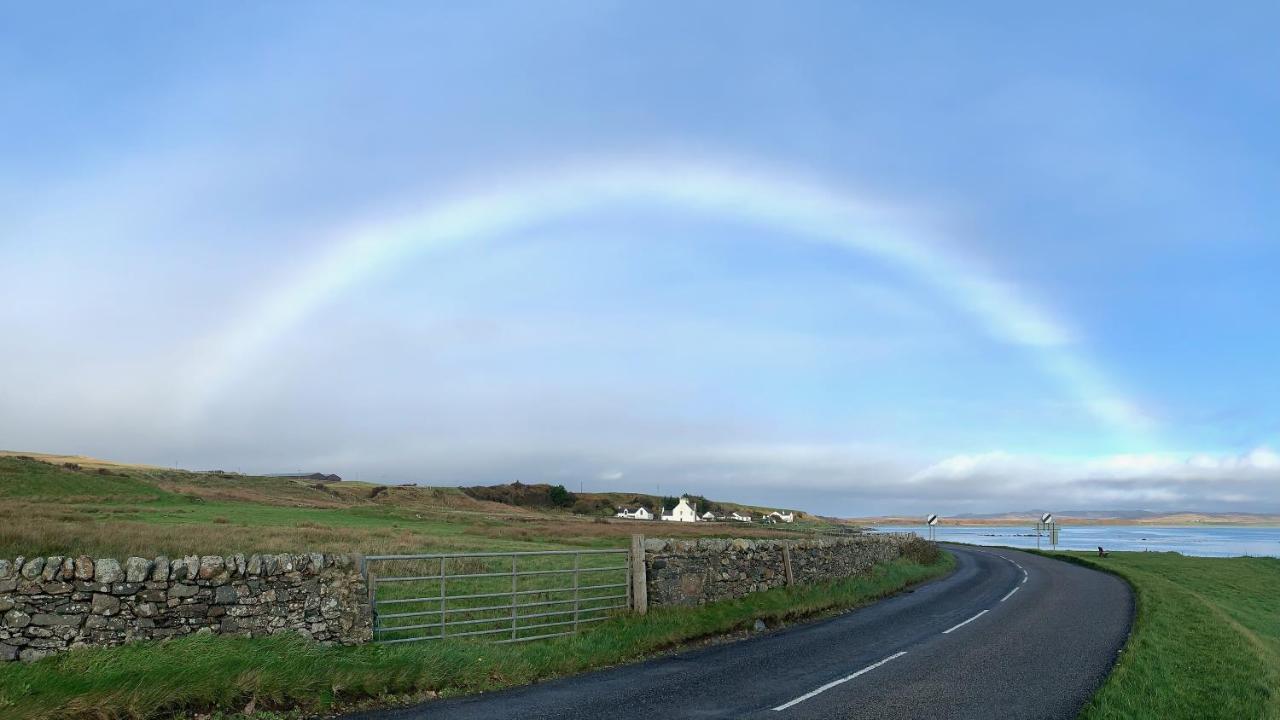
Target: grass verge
1205,642
211,673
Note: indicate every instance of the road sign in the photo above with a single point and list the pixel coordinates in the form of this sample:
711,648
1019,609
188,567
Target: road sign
1048,518
930,522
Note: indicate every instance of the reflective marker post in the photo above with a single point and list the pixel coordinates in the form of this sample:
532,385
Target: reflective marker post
1047,525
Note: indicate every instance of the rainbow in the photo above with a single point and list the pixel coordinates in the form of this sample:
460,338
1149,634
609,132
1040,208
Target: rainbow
795,207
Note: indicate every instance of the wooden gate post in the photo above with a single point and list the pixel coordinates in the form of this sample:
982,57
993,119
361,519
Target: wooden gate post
786,564
639,578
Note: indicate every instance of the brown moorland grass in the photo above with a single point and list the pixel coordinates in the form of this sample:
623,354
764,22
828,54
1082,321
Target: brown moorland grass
116,510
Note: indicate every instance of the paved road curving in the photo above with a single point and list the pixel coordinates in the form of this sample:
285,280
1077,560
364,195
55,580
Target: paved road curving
1006,635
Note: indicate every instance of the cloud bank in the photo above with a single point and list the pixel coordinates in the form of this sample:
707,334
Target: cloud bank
1248,481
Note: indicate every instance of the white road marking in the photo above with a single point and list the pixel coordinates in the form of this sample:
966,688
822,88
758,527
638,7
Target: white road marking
966,622
834,683
1011,592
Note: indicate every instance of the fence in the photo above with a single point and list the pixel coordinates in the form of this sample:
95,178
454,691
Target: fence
508,597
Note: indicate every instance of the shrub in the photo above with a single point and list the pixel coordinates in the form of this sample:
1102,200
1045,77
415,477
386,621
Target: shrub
919,550
597,506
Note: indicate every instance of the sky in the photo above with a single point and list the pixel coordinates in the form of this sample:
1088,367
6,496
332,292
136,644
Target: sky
849,258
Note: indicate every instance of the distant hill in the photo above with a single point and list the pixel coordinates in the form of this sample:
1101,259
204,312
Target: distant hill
318,477
33,476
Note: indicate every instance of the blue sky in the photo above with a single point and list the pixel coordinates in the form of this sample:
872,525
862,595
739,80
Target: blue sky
851,258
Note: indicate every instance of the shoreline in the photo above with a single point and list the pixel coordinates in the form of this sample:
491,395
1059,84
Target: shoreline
1269,524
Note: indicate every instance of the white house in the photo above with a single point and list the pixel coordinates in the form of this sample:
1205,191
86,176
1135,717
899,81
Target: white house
639,513
682,512
782,516
708,515
740,517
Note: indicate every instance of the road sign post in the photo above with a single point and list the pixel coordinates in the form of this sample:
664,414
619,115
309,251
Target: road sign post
931,522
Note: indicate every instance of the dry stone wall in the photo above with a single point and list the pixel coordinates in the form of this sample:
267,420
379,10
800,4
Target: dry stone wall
695,572
49,604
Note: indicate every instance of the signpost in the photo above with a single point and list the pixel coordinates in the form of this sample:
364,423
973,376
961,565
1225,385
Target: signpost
931,522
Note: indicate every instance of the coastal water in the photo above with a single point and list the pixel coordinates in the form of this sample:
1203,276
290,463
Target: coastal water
1210,541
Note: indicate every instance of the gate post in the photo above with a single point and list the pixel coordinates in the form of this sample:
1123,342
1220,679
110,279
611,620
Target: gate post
639,578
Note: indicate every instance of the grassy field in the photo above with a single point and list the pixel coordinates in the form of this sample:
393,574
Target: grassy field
205,674
1205,643
112,510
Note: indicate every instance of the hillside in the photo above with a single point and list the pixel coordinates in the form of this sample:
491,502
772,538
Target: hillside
59,505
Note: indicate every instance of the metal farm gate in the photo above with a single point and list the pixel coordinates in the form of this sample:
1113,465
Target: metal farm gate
507,597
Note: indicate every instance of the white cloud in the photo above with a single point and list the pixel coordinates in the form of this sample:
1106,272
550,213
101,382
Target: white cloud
1248,481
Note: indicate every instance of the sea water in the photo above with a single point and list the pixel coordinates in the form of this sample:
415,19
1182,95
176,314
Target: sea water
1206,541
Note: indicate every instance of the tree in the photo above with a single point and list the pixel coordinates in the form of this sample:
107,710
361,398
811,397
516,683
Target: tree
698,502
561,497
702,504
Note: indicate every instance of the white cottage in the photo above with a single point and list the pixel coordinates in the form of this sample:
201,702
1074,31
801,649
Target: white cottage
682,512
740,517
708,515
640,513
782,516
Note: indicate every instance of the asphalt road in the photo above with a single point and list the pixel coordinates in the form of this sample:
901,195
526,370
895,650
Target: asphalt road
1006,635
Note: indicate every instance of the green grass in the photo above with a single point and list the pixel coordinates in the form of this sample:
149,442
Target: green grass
39,481
1205,642
213,673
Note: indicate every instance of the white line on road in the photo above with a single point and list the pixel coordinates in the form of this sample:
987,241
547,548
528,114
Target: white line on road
1011,592
966,622
834,683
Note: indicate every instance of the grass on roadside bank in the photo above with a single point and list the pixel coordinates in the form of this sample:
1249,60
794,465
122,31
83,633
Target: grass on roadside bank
211,673
1205,642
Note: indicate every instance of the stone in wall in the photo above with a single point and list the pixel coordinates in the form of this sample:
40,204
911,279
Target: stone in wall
695,572
52,604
